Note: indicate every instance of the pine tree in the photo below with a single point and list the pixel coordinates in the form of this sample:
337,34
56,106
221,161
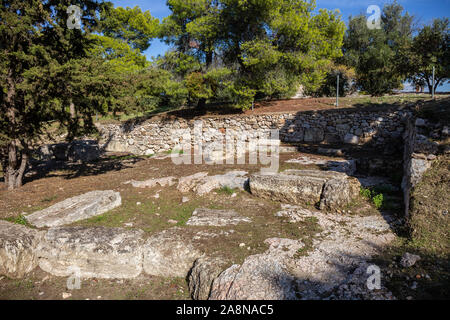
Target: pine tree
44,69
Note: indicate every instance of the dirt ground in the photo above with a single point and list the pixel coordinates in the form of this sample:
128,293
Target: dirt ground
283,106
141,209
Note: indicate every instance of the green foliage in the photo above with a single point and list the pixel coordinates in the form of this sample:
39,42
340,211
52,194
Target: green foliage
376,54
431,47
377,198
347,79
226,190
130,25
267,47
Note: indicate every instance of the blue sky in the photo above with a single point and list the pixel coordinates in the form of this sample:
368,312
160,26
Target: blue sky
424,10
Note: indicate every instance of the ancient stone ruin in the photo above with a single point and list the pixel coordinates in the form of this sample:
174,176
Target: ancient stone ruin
333,268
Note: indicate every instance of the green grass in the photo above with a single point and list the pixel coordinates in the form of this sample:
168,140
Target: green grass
19,220
379,196
226,190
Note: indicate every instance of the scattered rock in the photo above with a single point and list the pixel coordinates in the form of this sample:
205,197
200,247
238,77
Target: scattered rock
167,254
100,252
167,181
218,218
171,221
186,184
185,199
75,209
66,295
408,260
18,249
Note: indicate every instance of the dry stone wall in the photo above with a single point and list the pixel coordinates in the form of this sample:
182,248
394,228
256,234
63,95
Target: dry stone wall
420,152
379,128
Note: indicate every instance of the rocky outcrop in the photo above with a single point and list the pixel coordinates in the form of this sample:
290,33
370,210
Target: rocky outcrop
216,218
307,187
168,254
260,277
18,249
335,266
186,184
202,275
75,209
96,252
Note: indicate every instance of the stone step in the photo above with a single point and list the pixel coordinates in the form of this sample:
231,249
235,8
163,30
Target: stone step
75,209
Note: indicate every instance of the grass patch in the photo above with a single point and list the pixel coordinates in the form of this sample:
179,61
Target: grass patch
226,190
429,219
49,199
19,220
383,197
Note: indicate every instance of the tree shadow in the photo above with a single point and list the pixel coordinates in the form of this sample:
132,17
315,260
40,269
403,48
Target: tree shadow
349,275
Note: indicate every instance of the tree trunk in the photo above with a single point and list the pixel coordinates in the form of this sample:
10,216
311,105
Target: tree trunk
16,166
73,112
15,161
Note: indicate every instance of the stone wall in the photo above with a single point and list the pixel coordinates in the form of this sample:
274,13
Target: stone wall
420,152
378,128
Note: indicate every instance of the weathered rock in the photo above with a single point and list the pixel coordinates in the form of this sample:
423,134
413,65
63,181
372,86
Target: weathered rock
17,249
337,193
408,260
202,275
218,218
287,188
202,184
351,139
335,267
75,209
186,184
293,213
167,181
260,277
345,166
307,187
313,135
168,254
330,151
232,179
98,252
